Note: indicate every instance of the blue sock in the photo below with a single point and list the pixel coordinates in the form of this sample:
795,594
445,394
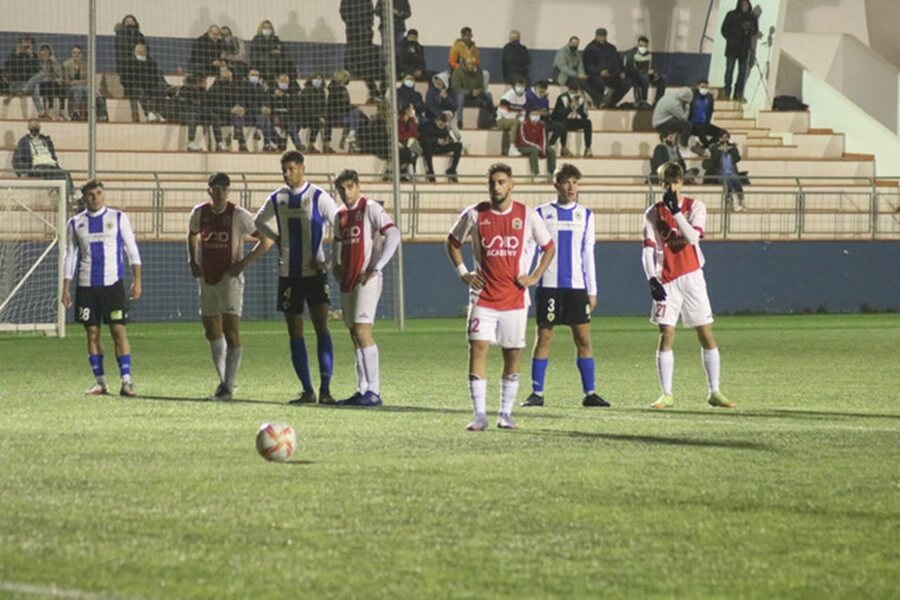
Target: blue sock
325,350
96,361
538,372
301,363
586,368
124,365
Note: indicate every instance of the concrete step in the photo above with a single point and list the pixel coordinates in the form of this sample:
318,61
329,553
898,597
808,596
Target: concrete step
784,121
804,145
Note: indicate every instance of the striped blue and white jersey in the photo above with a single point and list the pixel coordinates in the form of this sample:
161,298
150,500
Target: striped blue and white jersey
95,245
572,228
300,216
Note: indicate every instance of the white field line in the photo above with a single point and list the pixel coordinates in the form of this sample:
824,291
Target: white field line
52,591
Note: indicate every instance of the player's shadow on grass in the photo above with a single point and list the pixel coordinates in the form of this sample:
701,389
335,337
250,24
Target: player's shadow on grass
205,401
653,439
778,413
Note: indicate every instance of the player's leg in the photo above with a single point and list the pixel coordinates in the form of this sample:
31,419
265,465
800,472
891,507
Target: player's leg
348,309
318,314
290,302
367,296
697,313
540,360
482,332
231,326
584,352
665,366
115,314
212,329
510,337
95,358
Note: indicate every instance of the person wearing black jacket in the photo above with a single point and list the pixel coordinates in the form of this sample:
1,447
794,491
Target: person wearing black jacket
411,56
640,71
256,106
402,12
361,57
700,115
206,53
722,167
408,94
569,114
266,51
435,139
224,97
605,78
516,59
667,151
196,110
144,82
285,105
740,28
128,35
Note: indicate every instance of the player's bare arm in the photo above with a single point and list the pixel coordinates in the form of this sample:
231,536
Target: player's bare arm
193,241
136,287
473,280
66,294
261,247
533,277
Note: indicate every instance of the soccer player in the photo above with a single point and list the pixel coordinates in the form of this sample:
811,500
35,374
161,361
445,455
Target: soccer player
96,239
567,293
215,245
360,255
673,264
301,211
502,232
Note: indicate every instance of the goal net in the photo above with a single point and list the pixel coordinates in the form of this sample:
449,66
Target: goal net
32,247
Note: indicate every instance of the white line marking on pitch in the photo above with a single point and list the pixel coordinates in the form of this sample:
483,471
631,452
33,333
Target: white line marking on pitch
54,592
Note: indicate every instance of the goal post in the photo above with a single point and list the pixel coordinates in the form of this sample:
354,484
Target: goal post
32,255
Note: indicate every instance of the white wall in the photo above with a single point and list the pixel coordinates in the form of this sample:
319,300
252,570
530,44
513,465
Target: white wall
672,25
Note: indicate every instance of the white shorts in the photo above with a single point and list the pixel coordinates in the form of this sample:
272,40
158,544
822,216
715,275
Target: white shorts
686,297
227,297
360,304
505,328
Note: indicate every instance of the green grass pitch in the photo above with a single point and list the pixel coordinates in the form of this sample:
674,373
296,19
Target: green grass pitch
794,494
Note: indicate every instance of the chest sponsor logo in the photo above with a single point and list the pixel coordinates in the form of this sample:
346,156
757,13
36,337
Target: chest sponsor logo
215,239
501,245
352,234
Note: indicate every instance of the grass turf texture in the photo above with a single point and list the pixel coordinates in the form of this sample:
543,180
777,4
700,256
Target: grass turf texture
794,494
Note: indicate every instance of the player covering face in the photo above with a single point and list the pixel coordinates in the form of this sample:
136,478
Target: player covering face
365,240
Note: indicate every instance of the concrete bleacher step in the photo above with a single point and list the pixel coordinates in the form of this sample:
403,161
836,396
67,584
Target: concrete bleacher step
784,121
803,145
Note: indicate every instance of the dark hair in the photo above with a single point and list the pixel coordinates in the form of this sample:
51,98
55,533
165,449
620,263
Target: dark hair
499,168
405,107
90,185
465,30
643,38
291,156
669,173
701,81
574,37
573,86
219,178
519,79
77,46
442,118
345,176
567,170
414,32
46,47
133,18
543,84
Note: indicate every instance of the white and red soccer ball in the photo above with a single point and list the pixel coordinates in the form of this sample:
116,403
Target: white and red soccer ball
276,441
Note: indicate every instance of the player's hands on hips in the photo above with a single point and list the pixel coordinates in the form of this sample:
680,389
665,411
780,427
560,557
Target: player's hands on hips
473,280
338,272
237,268
526,281
66,297
670,199
196,270
364,277
657,291
318,265
136,289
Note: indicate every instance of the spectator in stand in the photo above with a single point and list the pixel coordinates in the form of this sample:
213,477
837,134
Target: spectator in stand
568,63
570,114
128,35
35,156
516,59
667,151
740,28
464,51
469,90
23,71
532,142
50,85
411,56
206,53
361,57
510,113
722,167
341,113
435,138
234,53
537,101
439,101
285,105
671,114
226,102
314,109
605,77
700,115
75,82
408,94
373,138
144,82
257,104
402,12
265,51
197,110
408,133
639,70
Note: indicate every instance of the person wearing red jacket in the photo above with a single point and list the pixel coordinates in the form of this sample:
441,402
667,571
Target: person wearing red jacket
532,142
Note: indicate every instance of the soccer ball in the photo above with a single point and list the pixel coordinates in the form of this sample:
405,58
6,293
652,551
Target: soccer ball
276,441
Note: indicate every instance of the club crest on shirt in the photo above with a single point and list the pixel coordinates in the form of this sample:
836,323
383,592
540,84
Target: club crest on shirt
109,225
359,216
517,223
578,216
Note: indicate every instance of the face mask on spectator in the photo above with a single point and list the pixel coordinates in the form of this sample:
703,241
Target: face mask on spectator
254,79
534,118
642,49
140,57
267,32
520,89
227,39
573,49
283,86
317,83
409,82
703,91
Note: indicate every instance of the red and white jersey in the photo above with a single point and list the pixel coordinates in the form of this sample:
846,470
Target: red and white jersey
359,230
501,243
221,237
674,254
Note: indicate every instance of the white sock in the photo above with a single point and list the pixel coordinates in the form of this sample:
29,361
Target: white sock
711,364
370,361
217,347
362,384
232,364
665,366
509,387
478,393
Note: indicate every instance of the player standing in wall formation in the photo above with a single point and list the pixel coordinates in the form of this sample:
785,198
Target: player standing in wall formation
673,264
96,239
359,256
301,211
502,232
567,293
215,246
